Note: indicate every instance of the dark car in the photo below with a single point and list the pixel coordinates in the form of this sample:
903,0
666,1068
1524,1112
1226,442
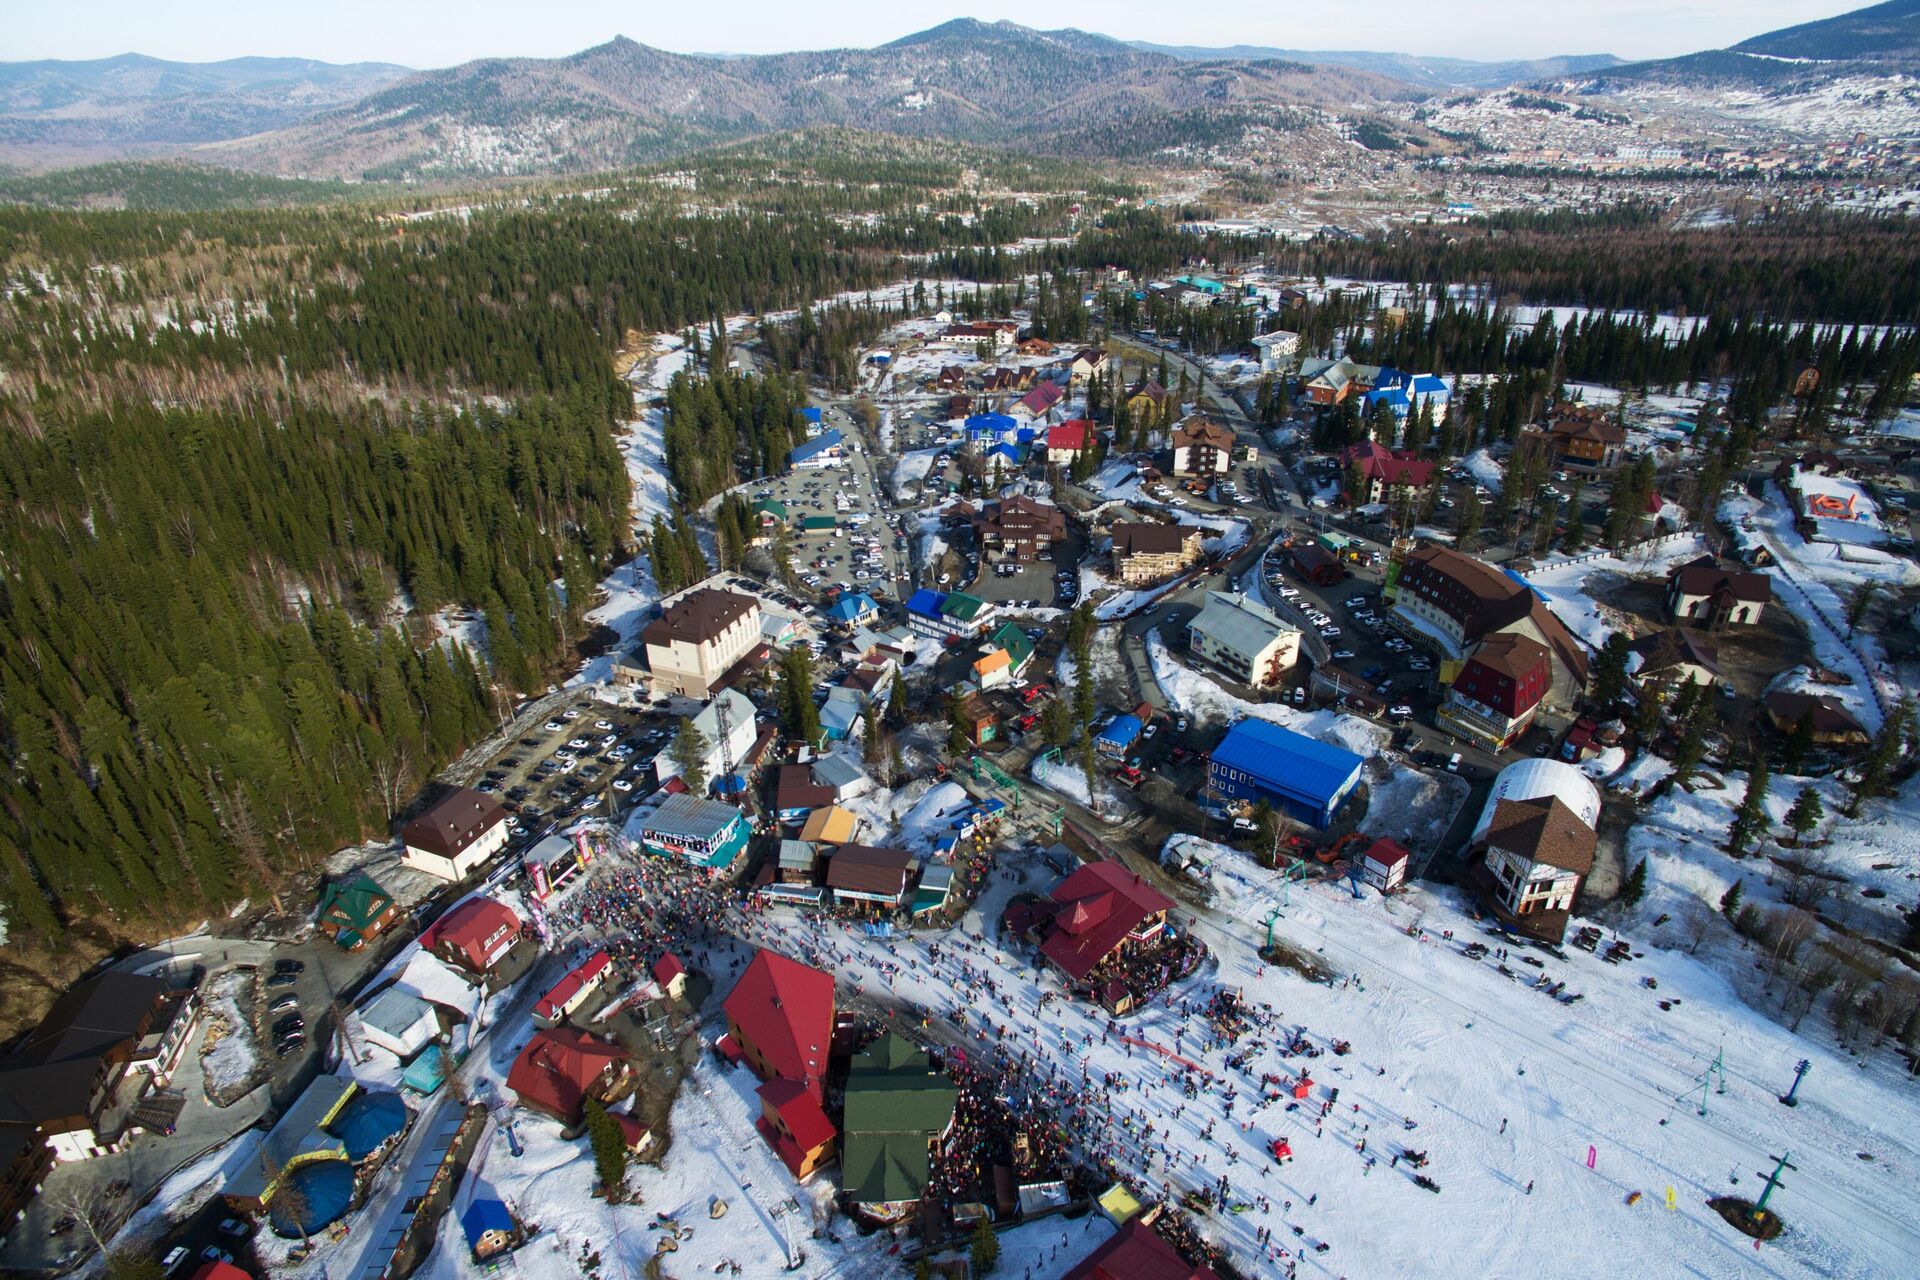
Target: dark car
289,966
288,1025
291,1045
283,979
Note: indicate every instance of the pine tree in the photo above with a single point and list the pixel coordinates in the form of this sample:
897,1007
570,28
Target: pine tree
1806,813
609,1150
1635,887
1609,675
1799,743
1877,766
984,1253
1730,900
959,731
690,748
1750,819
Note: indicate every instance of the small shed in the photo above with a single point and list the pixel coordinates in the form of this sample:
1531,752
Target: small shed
400,1022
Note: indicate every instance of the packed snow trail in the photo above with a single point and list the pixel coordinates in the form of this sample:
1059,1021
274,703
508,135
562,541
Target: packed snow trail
1844,1210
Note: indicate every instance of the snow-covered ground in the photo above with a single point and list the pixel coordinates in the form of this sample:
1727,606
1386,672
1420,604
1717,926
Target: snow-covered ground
1070,780
1481,466
1817,580
630,588
1563,581
230,1060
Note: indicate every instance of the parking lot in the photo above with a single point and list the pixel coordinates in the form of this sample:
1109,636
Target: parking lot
1351,619
862,551
590,757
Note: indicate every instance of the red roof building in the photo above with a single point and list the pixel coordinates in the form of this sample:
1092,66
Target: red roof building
474,935
1068,439
1097,912
1039,401
561,1068
780,1019
220,1271
795,1126
1382,469
572,990
1138,1252
1497,692
1384,865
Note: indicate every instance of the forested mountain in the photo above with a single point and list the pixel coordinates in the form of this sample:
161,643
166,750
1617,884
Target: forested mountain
1059,92
1416,69
133,102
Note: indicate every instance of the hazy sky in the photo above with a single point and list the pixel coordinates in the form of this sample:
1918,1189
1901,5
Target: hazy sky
420,33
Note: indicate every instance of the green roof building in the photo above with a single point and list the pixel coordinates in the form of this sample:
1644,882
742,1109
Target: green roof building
897,1107
1019,648
770,507
819,524
963,607
355,911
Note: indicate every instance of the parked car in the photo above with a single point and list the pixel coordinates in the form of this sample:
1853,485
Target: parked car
1400,711
283,980
1342,655
284,1004
289,966
553,726
603,724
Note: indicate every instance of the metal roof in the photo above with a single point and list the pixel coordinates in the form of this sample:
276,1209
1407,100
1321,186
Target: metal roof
1289,760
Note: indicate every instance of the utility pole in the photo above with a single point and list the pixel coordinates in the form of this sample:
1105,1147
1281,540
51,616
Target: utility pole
1800,1070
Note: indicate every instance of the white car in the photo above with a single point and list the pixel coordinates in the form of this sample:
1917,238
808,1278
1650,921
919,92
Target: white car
1288,593
609,740
621,784
569,714
579,744
1342,655
553,726
1400,711
603,724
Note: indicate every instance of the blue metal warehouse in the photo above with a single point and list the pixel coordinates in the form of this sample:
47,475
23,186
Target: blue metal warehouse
1300,776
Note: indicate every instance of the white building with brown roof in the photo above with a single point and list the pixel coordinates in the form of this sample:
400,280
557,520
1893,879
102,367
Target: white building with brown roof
1202,447
1146,552
1702,594
457,834
1455,601
697,640
1536,852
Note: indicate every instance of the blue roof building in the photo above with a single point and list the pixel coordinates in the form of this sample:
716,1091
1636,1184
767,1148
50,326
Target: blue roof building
852,608
822,451
991,426
1005,453
489,1228
1304,778
1118,738
812,414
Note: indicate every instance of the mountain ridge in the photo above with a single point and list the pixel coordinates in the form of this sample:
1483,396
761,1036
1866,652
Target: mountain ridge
1424,71
623,102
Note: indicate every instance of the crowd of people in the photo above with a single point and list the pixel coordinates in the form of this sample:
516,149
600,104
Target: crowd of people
1033,1063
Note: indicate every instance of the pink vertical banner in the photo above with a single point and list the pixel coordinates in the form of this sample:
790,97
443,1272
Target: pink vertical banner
1591,1156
